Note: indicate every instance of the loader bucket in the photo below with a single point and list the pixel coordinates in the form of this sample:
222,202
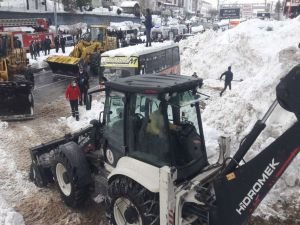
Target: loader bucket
288,91
66,65
16,100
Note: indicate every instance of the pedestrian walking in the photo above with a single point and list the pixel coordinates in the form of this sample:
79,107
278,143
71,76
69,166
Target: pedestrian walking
83,84
62,43
148,26
47,45
73,95
17,42
228,78
32,50
56,43
37,47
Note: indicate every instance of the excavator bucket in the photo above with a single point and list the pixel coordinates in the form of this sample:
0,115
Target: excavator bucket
66,65
16,100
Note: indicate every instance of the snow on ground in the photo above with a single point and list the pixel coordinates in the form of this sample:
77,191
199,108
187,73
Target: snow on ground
40,61
20,5
260,52
85,116
71,29
8,216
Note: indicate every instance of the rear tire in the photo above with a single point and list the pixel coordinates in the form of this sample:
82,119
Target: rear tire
71,179
130,203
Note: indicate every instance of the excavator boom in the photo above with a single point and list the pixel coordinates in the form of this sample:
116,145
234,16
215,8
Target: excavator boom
240,189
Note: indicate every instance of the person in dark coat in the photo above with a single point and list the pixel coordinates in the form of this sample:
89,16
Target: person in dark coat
73,95
195,75
83,83
56,43
17,43
148,26
63,43
228,78
32,50
47,45
37,47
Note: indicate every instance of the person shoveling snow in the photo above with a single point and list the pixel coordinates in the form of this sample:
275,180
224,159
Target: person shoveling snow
228,78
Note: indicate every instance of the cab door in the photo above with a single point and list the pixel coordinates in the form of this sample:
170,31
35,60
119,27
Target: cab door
114,145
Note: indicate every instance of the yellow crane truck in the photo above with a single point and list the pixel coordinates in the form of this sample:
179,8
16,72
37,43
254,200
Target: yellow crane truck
16,80
86,52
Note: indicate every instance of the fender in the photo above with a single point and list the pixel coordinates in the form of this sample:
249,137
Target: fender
143,173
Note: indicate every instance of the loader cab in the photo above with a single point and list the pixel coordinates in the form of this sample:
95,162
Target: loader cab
98,33
156,122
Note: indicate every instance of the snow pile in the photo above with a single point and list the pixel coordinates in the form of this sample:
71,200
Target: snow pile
20,5
260,56
85,116
40,61
8,216
23,29
197,29
71,29
3,124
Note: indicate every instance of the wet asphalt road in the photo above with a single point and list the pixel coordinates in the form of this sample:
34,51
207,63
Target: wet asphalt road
50,86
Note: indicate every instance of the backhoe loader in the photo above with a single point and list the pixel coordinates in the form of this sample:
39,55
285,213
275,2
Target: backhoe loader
146,154
16,80
86,52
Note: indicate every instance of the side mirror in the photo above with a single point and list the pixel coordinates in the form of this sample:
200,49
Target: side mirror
89,102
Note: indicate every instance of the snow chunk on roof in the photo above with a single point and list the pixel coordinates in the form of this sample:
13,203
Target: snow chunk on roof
129,3
138,50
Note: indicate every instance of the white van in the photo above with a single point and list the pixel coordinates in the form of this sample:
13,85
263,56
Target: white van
69,39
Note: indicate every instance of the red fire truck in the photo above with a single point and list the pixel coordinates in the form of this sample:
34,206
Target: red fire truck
27,38
40,26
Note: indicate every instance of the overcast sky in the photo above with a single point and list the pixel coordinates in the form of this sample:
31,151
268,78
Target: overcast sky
214,2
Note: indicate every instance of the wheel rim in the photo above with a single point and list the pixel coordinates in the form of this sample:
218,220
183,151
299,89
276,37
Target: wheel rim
64,186
122,205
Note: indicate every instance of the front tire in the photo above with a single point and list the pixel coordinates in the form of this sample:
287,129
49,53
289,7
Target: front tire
130,203
72,175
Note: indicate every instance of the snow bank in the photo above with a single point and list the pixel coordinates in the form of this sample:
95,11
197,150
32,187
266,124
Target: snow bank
85,116
8,216
260,56
40,61
129,3
20,5
3,124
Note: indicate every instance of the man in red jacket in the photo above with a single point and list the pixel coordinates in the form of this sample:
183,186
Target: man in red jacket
73,95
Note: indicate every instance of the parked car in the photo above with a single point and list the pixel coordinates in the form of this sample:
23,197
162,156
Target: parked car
69,40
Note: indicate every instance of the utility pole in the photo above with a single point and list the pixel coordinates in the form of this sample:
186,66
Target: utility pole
218,9
45,1
55,18
265,5
27,4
